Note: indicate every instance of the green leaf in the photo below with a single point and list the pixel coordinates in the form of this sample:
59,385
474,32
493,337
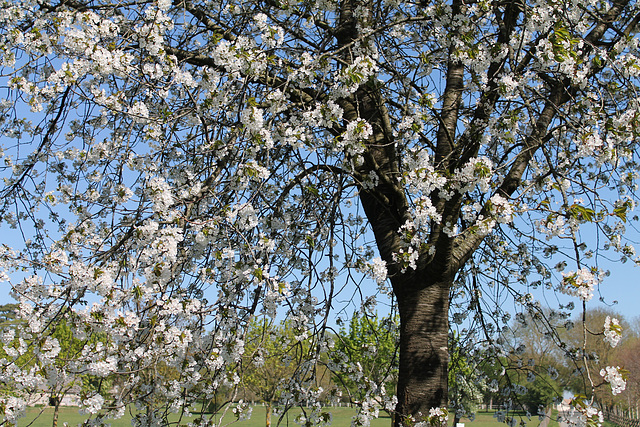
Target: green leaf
581,213
621,210
312,189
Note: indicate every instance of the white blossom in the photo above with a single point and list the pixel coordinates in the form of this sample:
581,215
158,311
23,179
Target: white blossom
438,417
92,404
13,408
501,209
104,367
612,331
139,112
378,270
164,5
580,283
160,194
477,172
613,376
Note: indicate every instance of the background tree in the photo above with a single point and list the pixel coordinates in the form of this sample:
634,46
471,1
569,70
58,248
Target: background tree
53,350
175,168
365,357
542,391
600,351
526,374
8,314
273,356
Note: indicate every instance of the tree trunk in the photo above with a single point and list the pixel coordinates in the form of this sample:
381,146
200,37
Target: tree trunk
424,354
423,293
56,411
268,411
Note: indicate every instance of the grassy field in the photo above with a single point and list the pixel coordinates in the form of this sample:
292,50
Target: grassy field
486,419
42,417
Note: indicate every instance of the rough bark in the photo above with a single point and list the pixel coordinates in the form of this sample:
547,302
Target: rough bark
423,303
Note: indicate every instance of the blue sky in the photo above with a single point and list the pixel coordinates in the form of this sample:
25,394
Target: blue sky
623,286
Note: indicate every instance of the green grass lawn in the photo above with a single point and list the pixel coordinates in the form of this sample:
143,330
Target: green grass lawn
43,417
486,419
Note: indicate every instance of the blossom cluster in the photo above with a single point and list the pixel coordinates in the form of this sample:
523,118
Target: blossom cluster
438,416
612,331
580,283
614,377
272,36
583,413
376,269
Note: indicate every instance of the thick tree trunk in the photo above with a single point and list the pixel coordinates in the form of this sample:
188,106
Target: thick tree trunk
424,354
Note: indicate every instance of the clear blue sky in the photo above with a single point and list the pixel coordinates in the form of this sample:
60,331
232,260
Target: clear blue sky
623,286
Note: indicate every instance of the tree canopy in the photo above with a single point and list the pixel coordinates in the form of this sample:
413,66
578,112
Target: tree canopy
174,169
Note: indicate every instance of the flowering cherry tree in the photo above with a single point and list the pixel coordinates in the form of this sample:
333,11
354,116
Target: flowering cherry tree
173,169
